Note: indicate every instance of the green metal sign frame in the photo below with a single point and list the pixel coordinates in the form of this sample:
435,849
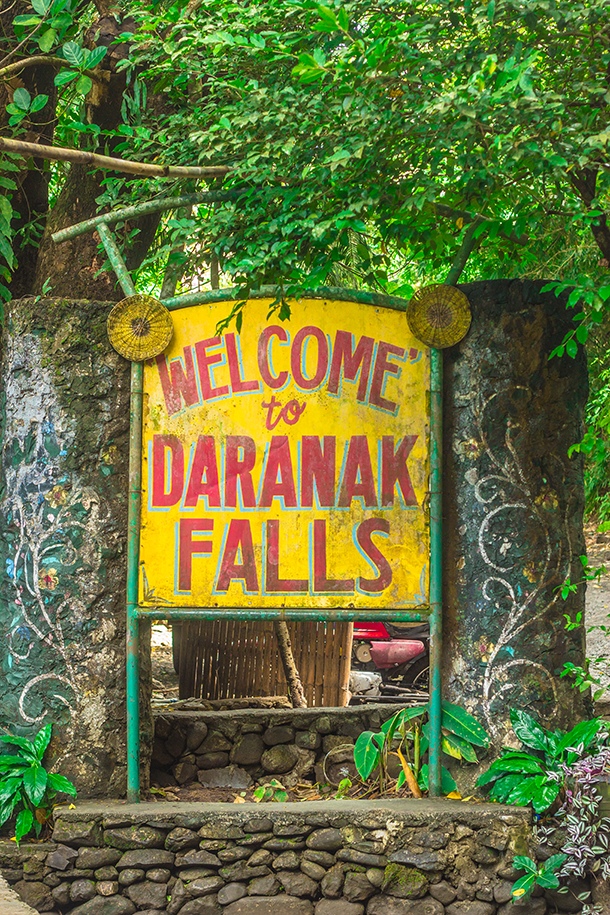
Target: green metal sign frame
135,613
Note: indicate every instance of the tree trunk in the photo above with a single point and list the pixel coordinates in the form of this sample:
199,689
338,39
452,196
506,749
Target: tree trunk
297,694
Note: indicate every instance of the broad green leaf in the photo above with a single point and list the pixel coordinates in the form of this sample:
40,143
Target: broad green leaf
400,780
73,53
38,103
546,797
510,762
26,745
534,790
64,77
572,348
528,730
22,99
450,747
35,783
11,761
548,881
42,739
366,754
503,786
26,21
8,787
523,886
584,733
448,783
7,808
95,57
554,862
25,819
41,6
83,85
47,39
522,863
462,724
60,783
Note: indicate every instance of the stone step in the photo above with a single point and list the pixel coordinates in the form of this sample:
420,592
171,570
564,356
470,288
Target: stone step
10,903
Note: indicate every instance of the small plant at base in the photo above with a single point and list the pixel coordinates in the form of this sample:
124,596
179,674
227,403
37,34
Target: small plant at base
343,788
272,791
26,788
406,736
543,875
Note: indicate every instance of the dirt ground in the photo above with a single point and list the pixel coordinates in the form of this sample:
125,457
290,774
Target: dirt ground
597,607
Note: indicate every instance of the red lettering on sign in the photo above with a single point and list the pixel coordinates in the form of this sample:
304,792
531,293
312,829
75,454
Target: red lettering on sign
352,361
239,539
318,465
178,381
272,381
364,534
162,497
273,583
205,361
187,547
394,470
240,456
383,367
358,477
279,459
320,582
238,385
297,360
204,463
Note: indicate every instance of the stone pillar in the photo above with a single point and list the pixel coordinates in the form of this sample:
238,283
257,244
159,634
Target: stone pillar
513,508
63,527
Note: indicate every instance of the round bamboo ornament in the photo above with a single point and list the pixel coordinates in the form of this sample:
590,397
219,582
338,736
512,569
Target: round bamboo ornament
439,315
139,327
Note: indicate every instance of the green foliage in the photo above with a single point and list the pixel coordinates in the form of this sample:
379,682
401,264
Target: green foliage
272,791
538,777
406,735
543,875
27,790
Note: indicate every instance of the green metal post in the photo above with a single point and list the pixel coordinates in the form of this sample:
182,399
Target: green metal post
133,536
436,568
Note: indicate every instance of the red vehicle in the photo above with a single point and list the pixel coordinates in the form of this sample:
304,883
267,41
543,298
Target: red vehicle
387,658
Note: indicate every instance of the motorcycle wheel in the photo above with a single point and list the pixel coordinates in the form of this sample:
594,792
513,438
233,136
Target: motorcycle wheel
418,673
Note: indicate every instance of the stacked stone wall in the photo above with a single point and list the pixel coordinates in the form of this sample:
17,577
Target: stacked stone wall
239,749
336,858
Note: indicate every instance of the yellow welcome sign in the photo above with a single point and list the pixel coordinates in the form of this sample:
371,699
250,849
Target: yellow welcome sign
287,466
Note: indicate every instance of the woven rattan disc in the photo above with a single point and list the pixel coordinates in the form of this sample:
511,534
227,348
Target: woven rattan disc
139,327
439,315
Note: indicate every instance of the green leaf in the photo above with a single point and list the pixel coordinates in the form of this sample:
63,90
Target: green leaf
366,754
503,786
26,21
41,6
84,85
22,99
95,57
10,761
572,348
35,783
523,863
584,733
41,741
523,886
38,103
554,862
64,77
73,53
25,819
23,742
61,784
459,722
528,730
448,784
510,762
8,787
47,39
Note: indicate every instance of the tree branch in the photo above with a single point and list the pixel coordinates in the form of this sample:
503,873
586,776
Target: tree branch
60,153
33,62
